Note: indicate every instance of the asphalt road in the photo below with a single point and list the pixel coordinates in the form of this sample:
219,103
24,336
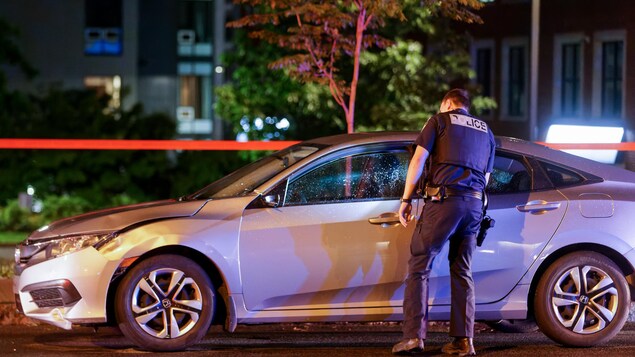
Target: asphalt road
293,340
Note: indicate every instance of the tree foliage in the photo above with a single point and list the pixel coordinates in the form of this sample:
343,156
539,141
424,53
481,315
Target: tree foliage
10,54
73,181
320,35
429,57
425,56
256,91
98,176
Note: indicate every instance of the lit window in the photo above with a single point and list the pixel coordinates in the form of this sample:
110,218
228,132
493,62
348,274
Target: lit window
195,89
110,86
103,28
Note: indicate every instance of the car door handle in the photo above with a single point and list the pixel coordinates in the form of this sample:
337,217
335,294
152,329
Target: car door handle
385,219
538,207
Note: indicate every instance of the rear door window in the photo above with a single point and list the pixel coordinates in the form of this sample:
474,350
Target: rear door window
510,175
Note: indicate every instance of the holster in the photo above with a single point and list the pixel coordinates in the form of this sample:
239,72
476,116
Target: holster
435,194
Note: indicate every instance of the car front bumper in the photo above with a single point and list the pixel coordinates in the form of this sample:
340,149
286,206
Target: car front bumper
66,290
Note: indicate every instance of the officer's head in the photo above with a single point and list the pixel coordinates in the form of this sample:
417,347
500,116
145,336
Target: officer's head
454,99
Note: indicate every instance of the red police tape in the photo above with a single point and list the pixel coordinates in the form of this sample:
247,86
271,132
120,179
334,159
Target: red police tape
104,144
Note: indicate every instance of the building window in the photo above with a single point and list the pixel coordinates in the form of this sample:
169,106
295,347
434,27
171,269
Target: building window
103,30
612,63
570,90
484,70
106,86
517,81
608,78
194,110
196,23
514,74
482,54
568,79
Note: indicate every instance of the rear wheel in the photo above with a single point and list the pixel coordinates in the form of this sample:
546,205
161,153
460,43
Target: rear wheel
165,303
582,300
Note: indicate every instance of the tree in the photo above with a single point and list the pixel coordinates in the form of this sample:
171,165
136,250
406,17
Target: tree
428,58
11,102
320,33
259,92
10,53
99,176
405,80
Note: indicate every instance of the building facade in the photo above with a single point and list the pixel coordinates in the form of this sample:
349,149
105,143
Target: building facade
585,70
165,54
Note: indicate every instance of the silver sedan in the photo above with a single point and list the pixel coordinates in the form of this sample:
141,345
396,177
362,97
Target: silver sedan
310,233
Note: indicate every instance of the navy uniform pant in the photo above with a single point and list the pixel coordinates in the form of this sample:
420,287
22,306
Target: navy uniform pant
456,219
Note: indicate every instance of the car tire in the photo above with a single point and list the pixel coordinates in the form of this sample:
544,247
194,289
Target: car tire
514,326
165,303
582,300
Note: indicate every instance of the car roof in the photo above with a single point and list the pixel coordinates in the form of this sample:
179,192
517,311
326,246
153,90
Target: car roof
527,148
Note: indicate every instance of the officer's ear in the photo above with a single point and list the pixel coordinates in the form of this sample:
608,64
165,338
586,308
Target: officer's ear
444,107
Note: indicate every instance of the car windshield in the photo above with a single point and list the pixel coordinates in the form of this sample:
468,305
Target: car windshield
247,178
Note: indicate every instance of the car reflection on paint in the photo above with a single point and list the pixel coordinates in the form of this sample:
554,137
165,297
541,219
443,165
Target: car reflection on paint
310,233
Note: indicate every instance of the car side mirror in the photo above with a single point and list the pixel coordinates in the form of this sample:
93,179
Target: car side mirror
272,200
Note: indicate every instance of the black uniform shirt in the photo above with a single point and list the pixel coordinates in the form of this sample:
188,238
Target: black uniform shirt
455,175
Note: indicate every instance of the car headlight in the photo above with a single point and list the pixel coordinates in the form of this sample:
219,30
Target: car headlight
72,244
29,253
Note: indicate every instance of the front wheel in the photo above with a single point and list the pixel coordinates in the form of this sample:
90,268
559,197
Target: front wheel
582,300
165,303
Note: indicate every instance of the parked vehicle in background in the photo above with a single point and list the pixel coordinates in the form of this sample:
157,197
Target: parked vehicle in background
311,233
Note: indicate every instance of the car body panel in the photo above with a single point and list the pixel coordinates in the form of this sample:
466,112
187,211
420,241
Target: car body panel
88,270
510,248
323,256
116,218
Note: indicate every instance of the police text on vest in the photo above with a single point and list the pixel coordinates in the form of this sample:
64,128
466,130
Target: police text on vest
468,122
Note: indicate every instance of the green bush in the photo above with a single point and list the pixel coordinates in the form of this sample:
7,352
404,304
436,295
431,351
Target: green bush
56,207
14,218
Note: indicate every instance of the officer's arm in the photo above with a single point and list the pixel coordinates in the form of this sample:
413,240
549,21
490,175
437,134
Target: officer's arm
415,169
487,174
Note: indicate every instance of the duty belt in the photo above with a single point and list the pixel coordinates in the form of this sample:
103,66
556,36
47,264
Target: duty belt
440,193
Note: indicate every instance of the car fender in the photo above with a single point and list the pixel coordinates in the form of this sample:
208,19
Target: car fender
572,238
219,247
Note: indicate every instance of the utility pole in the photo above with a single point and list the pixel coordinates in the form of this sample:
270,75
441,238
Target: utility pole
533,73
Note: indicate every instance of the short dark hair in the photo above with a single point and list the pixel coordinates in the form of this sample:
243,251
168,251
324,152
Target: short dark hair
458,96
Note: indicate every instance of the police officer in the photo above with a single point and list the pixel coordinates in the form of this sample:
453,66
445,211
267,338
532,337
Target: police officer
461,152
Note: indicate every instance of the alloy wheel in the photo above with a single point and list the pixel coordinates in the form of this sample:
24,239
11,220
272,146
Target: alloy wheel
585,299
166,303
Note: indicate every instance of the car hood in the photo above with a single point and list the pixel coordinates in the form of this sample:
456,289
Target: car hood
117,218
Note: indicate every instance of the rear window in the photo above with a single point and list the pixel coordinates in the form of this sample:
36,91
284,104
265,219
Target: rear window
561,177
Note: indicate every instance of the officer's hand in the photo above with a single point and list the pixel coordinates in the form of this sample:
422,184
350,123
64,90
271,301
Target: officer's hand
405,215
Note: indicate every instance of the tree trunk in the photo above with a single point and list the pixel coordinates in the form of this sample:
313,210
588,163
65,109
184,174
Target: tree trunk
361,26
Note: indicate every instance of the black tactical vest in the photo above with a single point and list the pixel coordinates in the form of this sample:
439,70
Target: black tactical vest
462,140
